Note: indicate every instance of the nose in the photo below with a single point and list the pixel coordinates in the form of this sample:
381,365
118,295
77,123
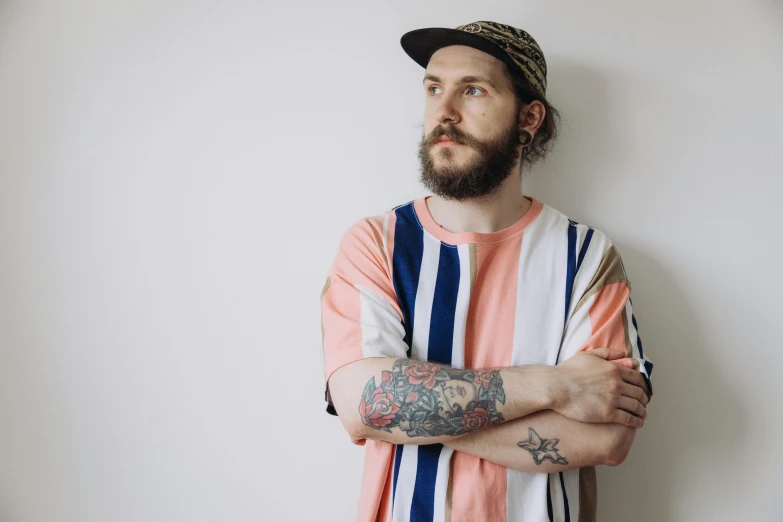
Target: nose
447,111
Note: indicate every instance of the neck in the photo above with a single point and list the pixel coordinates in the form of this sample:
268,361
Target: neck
487,214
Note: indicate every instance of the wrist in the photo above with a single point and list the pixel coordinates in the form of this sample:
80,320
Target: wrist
538,383
551,387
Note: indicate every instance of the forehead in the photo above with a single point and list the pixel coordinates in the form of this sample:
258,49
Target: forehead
459,60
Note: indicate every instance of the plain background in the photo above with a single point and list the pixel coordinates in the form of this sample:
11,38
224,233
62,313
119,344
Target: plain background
175,176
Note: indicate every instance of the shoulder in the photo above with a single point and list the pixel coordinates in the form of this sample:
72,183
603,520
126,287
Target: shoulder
366,242
583,233
370,229
595,251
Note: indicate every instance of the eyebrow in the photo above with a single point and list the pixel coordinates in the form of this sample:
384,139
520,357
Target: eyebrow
464,79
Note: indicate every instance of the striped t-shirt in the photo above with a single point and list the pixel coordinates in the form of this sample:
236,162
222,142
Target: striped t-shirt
536,292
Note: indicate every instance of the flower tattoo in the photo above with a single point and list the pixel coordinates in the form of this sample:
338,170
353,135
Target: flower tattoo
427,399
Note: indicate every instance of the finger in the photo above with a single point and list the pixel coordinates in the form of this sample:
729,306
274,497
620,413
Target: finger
631,376
628,363
632,406
626,419
634,392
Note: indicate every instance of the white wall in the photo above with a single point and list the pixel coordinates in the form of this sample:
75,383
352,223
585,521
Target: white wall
174,177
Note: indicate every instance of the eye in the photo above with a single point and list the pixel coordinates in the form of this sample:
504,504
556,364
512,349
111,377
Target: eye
475,88
429,89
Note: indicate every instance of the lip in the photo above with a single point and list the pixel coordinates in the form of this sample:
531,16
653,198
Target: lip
446,141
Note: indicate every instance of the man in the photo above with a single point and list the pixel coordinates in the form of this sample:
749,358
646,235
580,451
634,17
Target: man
479,344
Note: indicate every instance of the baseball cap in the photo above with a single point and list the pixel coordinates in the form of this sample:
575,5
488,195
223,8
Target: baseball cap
515,47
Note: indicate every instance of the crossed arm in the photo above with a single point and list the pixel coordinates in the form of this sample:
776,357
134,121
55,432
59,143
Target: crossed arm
547,442
506,416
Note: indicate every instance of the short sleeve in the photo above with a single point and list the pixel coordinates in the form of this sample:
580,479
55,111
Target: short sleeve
603,316
360,315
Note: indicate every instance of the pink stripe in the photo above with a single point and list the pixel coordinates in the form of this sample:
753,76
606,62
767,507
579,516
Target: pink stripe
480,486
606,317
375,481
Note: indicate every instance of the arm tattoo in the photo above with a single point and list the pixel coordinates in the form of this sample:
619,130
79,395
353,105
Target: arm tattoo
542,449
428,399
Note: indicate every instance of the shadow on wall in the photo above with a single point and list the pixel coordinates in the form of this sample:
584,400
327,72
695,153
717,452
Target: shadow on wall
693,420
696,425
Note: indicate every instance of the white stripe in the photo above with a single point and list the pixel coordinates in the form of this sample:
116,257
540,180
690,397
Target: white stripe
461,312
441,484
382,330
406,482
538,329
571,479
556,491
578,331
526,496
385,232
599,244
425,294
390,501
541,279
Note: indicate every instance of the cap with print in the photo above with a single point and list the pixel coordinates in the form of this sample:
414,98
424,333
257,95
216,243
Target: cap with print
515,47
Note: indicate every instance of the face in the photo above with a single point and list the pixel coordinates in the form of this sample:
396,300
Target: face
471,124
455,395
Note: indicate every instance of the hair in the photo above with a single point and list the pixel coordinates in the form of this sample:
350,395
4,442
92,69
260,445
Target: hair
544,139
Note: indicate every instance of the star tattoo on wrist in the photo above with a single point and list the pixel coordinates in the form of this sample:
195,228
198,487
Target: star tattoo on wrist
542,449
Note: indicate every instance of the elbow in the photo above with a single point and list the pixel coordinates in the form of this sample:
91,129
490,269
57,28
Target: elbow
358,433
620,445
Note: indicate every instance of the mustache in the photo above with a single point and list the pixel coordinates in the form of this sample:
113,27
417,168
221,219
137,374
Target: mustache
451,133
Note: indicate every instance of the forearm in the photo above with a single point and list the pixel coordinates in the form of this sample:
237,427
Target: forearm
405,401
547,442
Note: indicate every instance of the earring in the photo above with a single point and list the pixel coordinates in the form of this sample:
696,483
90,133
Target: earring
528,140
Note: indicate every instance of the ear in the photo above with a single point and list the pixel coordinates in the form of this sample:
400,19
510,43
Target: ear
531,116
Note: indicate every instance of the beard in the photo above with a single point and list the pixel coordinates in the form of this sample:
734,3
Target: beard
491,164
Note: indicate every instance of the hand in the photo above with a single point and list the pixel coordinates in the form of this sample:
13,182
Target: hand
630,362
593,388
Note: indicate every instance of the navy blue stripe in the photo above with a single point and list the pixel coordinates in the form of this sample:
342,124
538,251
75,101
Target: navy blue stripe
423,503
570,269
406,263
397,458
408,251
638,337
439,349
444,306
648,366
584,248
565,499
